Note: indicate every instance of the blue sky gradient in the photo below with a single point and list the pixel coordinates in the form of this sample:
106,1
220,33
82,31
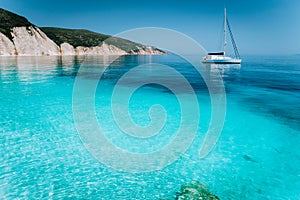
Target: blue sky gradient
259,27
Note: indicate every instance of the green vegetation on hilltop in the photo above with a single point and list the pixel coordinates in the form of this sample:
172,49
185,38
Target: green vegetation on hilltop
126,45
8,20
75,37
79,37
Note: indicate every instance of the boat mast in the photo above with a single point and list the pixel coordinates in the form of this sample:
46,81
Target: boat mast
224,48
236,51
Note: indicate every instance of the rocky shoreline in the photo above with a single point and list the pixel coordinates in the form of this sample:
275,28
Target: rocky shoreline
31,41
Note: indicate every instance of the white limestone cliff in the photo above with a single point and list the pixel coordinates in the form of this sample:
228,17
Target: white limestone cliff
146,51
7,48
104,49
31,41
66,49
108,49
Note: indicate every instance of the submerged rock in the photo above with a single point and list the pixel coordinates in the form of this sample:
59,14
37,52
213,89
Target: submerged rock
248,158
195,191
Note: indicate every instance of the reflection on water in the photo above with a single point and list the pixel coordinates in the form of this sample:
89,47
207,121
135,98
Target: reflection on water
28,69
34,69
222,68
229,72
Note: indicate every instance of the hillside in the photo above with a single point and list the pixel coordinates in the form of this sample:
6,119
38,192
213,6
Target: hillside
86,38
75,37
18,36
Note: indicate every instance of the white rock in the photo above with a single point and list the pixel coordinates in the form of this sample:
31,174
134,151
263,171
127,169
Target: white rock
30,41
104,49
107,49
67,49
147,50
81,50
7,48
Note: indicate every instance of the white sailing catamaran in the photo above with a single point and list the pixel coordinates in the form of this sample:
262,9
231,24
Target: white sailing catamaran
220,57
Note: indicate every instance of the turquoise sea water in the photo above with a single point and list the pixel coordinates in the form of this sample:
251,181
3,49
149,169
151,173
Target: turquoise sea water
42,157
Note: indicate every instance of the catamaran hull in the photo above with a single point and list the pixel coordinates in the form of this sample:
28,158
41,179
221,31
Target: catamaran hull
218,61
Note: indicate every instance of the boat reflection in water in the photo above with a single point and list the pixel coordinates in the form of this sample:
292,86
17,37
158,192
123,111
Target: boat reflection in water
221,69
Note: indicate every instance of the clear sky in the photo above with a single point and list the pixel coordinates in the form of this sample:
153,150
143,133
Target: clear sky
259,26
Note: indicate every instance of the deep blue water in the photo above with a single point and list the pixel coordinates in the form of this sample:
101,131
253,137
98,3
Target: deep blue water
42,156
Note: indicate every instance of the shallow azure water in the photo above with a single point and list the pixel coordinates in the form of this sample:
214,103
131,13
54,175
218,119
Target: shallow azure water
42,156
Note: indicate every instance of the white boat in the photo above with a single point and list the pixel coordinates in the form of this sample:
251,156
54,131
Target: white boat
220,57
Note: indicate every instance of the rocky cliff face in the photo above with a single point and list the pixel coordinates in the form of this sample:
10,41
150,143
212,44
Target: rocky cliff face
104,49
145,51
7,48
31,41
66,49
19,37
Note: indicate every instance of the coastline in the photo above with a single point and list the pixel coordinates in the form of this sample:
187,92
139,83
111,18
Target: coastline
31,41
